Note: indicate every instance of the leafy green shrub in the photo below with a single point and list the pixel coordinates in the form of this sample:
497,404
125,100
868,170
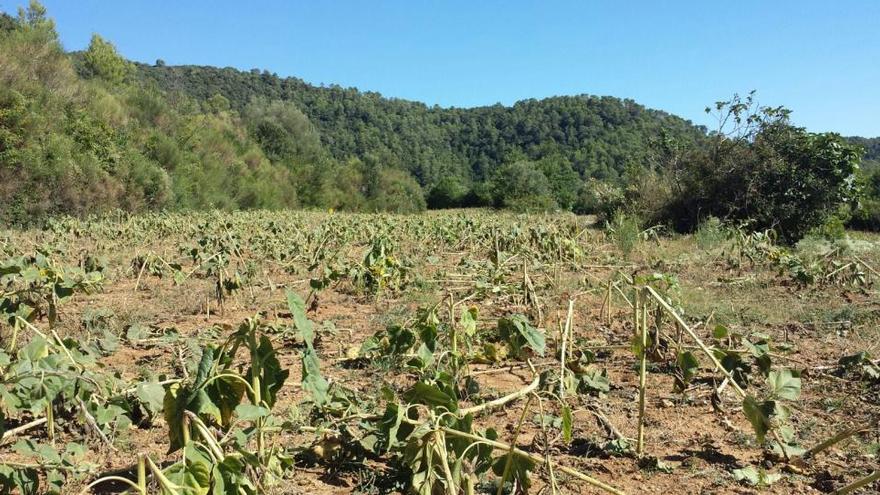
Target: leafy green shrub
867,215
521,187
765,172
710,233
450,192
599,198
396,191
626,231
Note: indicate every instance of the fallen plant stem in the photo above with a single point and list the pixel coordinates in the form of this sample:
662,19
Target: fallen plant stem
21,429
93,425
509,461
534,458
839,437
501,400
855,485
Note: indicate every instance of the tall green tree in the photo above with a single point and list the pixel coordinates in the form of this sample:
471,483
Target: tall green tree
102,60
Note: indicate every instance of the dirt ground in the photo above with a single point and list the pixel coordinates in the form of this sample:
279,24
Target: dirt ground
697,441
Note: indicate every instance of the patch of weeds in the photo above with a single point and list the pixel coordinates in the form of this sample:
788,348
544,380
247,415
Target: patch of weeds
831,404
626,231
97,319
369,481
711,233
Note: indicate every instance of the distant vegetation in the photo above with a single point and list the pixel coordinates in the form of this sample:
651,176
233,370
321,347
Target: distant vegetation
91,132
867,214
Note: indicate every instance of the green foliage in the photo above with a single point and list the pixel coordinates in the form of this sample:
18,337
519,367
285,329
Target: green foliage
626,231
763,171
188,137
710,233
395,191
866,214
861,365
449,192
102,60
521,187
519,334
594,136
756,476
599,198
770,413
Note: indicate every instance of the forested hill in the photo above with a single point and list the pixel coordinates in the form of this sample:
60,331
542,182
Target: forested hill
598,136
871,146
90,131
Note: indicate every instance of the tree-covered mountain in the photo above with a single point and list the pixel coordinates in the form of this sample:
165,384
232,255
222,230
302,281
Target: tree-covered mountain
597,136
871,147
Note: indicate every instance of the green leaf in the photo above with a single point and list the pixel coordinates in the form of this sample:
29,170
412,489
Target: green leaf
206,364
151,396
688,366
230,474
205,408
567,423
250,412
37,349
784,384
519,470
25,481
304,326
759,415
755,477
136,333
313,382
469,321
272,376
593,381
194,478
653,463
761,348
226,393
519,334
430,395
173,406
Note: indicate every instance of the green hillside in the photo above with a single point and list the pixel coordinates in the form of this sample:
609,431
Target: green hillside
595,136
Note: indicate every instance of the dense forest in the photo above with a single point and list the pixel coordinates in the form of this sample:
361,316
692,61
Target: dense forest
871,147
596,136
90,132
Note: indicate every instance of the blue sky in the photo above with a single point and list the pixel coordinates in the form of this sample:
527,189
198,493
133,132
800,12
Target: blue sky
819,58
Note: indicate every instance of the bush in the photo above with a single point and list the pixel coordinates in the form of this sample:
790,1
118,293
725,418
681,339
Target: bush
396,191
768,174
625,230
710,233
521,187
599,198
449,192
867,215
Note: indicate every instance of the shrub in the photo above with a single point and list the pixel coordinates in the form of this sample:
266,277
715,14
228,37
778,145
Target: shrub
450,192
396,191
522,187
626,231
599,198
765,172
710,233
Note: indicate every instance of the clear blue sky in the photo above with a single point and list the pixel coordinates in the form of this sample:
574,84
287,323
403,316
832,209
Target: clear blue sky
819,58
